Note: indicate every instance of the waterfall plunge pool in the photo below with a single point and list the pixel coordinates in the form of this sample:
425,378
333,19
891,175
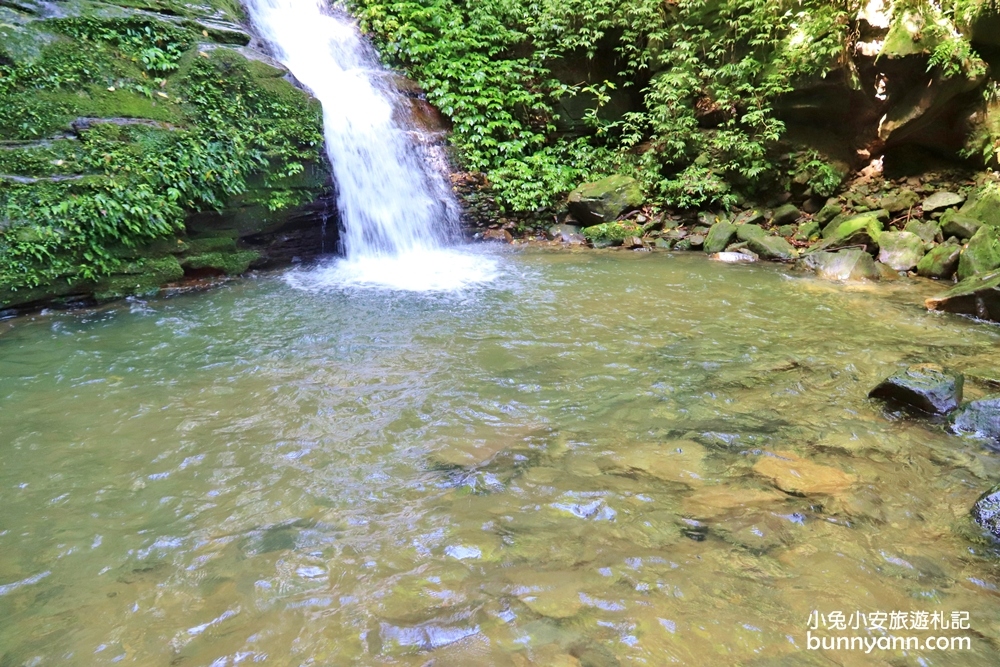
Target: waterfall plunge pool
567,465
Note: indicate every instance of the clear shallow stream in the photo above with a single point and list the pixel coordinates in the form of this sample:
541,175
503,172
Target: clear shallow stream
555,469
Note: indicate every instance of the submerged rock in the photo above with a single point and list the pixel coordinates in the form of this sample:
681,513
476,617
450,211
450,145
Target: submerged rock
772,247
719,236
940,201
986,511
604,200
900,250
849,264
979,418
733,257
799,477
978,296
940,262
981,255
925,387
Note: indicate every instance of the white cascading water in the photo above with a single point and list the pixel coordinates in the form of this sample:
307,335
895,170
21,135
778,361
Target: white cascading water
397,214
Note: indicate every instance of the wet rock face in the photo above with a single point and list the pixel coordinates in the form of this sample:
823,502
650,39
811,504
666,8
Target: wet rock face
980,419
900,250
986,511
849,264
604,200
978,296
772,247
719,236
863,229
926,387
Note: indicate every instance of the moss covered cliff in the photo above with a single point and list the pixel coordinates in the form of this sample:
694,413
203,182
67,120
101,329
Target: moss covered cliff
139,140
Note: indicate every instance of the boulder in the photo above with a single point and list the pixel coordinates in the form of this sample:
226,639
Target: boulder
978,296
901,201
772,247
959,225
719,236
984,204
807,231
749,217
800,477
732,257
940,262
986,511
927,230
604,200
863,229
981,254
828,213
900,250
979,418
501,235
708,218
849,264
566,233
925,387
939,201
784,215
749,231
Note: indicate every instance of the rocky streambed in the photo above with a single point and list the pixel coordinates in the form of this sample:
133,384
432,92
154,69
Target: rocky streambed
945,229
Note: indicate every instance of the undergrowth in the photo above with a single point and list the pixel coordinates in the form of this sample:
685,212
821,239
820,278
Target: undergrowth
216,122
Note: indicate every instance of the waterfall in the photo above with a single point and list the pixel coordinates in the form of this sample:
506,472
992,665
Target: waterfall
397,214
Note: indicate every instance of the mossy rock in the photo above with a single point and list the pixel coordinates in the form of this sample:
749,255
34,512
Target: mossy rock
927,230
719,236
863,229
941,262
900,251
978,296
983,204
982,254
127,130
228,263
604,200
611,233
143,277
959,225
772,247
749,231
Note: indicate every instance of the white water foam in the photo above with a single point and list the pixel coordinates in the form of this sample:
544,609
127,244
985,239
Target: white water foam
397,214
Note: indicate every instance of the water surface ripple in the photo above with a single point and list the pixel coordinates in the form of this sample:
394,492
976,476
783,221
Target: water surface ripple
561,467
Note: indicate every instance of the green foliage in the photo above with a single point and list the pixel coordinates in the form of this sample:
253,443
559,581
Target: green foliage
824,178
128,183
710,74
